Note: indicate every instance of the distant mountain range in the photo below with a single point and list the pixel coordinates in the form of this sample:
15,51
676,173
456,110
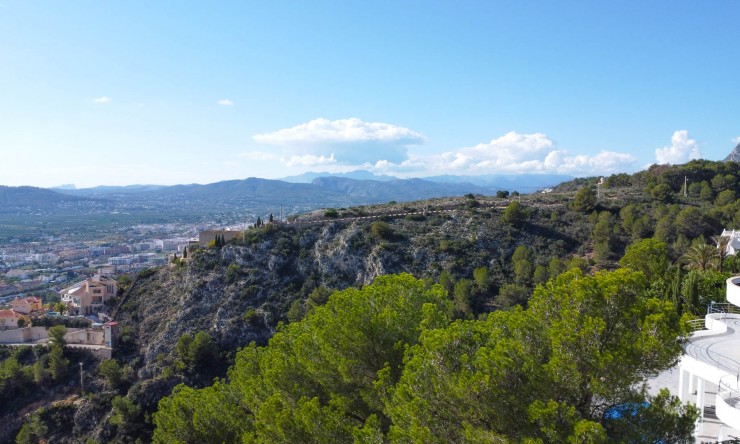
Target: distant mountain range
524,183
331,190
321,190
331,187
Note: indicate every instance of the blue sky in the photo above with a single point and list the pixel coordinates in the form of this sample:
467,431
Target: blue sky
115,93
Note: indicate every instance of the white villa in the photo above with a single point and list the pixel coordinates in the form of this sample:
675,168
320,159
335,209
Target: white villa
734,245
709,371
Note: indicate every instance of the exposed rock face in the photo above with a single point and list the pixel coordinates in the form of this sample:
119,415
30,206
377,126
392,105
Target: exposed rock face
734,155
271,269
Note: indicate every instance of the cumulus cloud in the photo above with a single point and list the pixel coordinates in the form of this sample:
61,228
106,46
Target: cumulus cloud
383,148
309,160
347,141
225,102
515,153
683,148
736,140
102,99
505,152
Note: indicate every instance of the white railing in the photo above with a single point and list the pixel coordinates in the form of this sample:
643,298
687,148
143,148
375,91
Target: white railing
728,400
728,390
697,324
722,307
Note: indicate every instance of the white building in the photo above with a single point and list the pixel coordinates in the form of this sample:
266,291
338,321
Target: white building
45,258
709,371
121,260
734,245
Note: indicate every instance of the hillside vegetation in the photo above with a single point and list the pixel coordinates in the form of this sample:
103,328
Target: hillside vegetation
184,323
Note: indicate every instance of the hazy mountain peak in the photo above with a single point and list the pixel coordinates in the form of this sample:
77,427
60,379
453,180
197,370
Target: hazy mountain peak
357,175
734,155
66,186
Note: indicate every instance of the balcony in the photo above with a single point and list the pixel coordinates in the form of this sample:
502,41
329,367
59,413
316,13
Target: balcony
728,401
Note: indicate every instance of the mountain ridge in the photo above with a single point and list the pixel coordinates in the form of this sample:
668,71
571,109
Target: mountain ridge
734,155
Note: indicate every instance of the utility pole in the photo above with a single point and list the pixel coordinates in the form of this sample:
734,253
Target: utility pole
685,187
82,381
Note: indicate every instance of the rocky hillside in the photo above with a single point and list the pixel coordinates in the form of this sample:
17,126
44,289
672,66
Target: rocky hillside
273,266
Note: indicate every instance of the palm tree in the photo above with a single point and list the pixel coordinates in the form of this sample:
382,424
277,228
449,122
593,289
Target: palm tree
722,243
700,256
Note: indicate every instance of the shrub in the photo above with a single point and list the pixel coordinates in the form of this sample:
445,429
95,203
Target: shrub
584,201
381,230
232,272
251,317
514,214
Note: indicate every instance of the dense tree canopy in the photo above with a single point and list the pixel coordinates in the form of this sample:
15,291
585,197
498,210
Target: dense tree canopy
650,256
385,363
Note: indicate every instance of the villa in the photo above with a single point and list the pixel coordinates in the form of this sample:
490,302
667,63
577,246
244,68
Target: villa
709,371
89,296
734,244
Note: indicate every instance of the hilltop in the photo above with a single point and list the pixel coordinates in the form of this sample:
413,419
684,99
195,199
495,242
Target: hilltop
18,198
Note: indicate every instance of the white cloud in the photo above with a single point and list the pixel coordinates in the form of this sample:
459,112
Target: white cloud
512,153
225,102
383,148
103,99
606,162
683,148
736,140
309,160
347,141
343,130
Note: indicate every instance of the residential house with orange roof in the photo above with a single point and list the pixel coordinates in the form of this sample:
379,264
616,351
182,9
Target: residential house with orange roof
9,319
26,305
89,296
